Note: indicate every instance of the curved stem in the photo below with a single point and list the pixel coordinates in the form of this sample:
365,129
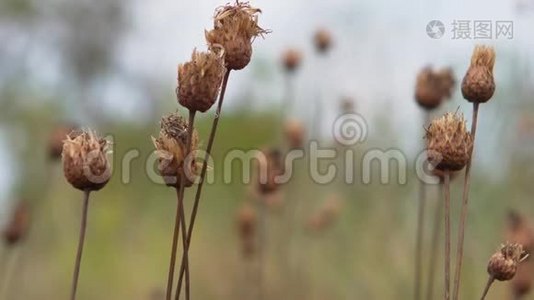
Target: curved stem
420,231
180,215
80,245
486,289
447,193
435,244
202,177
463,217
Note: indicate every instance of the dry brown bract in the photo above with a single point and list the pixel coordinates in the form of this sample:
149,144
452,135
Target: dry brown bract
449,143
235,27
85,163
478,84
199,80
291,59
503,264
56,139
171,150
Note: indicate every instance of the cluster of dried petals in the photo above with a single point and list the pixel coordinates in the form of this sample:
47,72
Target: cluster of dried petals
171,150
433,87
199,80
448,143
235,28
478,84
291,59
56,139
85,163
503,264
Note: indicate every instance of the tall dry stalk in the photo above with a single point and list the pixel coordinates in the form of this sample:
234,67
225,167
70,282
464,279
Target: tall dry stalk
202,177
478,86
81,241
447,195
436,229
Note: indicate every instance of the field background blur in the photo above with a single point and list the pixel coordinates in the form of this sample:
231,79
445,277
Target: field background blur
112,66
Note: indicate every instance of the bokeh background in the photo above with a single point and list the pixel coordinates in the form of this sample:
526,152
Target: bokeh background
111,65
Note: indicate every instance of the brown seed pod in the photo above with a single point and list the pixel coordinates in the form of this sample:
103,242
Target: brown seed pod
448,142
85,164
427,90
478,84
235,27
199,80
295,134
446,82
270,167
18,225
503,264
56,139
246,225
171,150
291,59
322,40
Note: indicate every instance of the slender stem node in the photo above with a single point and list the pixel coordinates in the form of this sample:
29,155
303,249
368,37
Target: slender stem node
463,216
81,241
202,177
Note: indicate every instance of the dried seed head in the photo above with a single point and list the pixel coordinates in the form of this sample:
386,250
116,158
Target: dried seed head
18,225
348,105
271,166
322,40
235,28
448,142
246,225
291,59
199,80
295,134
478,84
85,163
171,150
503,264
446,82
56,139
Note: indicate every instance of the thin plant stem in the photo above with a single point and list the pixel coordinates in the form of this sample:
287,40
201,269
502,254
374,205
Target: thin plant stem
180,193
435,244
10,257
420,231
447,194
463,216
486,289
83,228
262,245
202,177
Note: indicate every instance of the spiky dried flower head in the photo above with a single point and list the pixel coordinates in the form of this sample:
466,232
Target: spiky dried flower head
433,87
199,80
291,59
18,225
56,138
246,225
85,163
295,133
448,143
478,84
322,40
503,264
172,153
270,167
235,28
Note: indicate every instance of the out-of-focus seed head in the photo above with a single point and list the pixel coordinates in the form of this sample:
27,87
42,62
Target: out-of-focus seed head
448,142
18,225
295,134
446,82
326,215
199,80
56,139
427,92
322,40
270,167
171,150
291,59
235,28
521,284
246,225
348,105
85,162
503,264
478,84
